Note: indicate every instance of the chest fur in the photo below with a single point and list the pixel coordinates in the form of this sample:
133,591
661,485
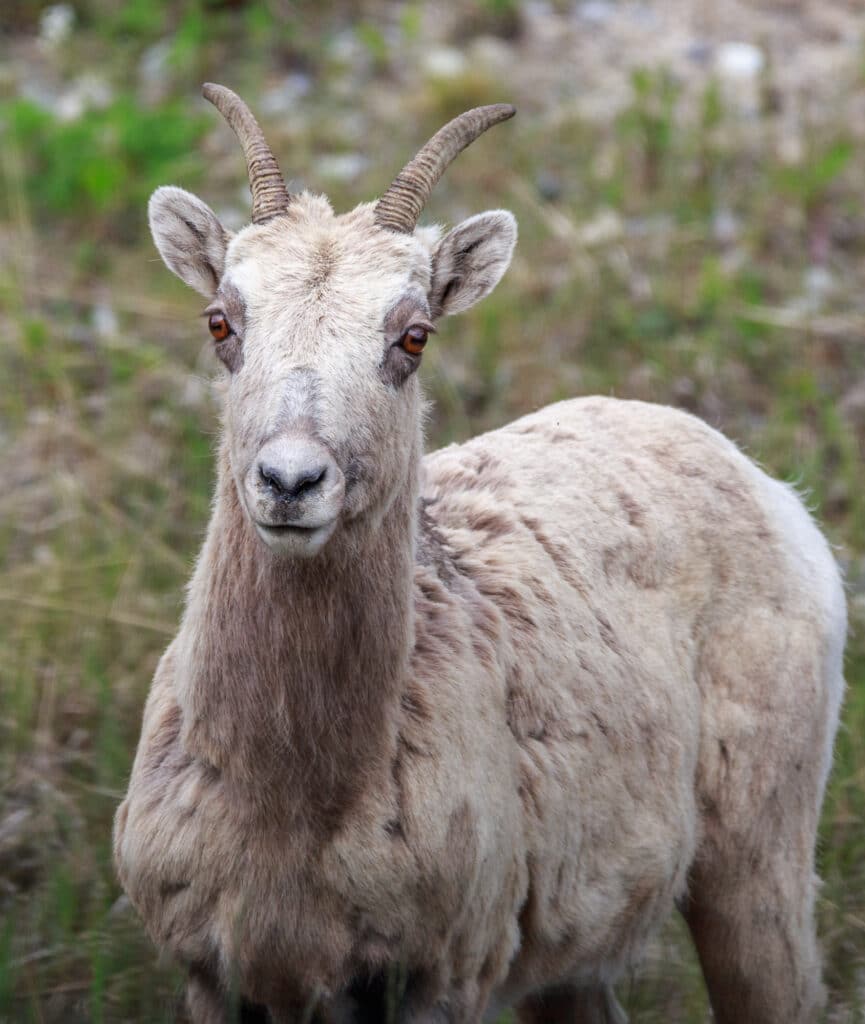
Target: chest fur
263,898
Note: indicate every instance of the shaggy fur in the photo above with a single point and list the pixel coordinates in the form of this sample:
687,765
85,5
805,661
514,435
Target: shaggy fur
535,690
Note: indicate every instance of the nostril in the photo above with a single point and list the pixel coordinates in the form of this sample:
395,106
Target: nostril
271,478
295,486
307,480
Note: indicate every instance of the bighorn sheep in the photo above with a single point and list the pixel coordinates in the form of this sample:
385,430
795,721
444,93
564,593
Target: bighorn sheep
444,734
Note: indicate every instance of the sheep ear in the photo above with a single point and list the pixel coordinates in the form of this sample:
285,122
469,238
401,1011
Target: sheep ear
470,261
189,238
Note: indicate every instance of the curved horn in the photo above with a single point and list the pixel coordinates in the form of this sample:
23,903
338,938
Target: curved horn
399,207
270,197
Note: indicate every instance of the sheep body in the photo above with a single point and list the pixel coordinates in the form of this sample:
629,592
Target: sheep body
623,686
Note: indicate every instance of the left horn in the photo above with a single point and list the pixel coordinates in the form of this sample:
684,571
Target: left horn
270,197
400,207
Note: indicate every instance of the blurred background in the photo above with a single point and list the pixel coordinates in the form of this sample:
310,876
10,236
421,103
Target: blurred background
689,179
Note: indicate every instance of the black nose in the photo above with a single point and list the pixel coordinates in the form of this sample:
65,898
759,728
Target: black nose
291,483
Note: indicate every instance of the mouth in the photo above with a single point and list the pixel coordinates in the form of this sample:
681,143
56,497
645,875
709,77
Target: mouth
295,539
285,529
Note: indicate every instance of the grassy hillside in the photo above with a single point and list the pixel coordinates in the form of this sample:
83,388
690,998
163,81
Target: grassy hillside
682,241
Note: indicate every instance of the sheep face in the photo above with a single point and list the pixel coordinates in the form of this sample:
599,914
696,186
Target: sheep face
321,321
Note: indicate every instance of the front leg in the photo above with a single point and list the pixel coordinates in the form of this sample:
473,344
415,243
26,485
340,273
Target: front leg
573,1005
206,1003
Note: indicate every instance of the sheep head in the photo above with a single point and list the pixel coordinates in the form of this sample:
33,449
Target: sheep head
321,320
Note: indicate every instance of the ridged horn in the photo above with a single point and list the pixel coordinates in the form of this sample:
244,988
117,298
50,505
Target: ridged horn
400,207
270,197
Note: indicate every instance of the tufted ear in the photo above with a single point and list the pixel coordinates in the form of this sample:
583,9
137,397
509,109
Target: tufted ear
470,261
189,238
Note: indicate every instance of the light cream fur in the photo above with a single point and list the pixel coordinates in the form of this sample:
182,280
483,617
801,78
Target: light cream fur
533,691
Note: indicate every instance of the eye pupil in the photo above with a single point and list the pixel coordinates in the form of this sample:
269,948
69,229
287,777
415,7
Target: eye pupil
219,326
414,339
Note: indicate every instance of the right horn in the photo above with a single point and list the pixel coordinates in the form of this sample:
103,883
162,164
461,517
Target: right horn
401,205
270,197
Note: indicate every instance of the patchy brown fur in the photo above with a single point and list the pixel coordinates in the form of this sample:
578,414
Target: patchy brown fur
495,730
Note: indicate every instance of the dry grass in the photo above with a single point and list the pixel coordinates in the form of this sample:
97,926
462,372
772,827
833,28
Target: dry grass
671,252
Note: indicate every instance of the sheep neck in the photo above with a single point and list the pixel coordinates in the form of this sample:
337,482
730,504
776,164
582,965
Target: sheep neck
289,673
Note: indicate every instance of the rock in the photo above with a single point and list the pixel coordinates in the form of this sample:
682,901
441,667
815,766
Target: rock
739,67
342,166
492,53
55,25
444,62
349,53
549,186
699,52
89,91
725,226
818,284
103,319
740,61
596,12
284,97
154,72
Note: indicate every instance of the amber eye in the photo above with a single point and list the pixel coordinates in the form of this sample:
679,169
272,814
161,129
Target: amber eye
414,339
219,326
